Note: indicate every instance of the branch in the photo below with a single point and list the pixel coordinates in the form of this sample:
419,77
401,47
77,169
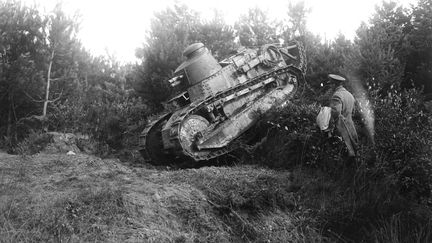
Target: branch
33,99
22,120
57,79
54,100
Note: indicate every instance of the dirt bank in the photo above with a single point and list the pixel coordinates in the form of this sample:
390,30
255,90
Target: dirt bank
59,197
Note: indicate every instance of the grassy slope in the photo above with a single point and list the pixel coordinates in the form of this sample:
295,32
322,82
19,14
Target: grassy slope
54,197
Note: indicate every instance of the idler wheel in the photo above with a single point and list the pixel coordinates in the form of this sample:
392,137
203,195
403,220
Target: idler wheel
190,131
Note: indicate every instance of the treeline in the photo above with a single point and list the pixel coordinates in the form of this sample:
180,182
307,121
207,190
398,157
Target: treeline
49,82
392,50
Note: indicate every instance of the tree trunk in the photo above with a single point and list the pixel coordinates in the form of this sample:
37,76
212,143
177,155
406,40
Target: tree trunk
11,134
44,112
9,120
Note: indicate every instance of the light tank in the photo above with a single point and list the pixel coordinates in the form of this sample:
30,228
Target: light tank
221,101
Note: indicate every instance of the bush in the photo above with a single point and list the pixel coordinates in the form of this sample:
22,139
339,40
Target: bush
115,123
404,142
292,138
391,177
402,150
32,144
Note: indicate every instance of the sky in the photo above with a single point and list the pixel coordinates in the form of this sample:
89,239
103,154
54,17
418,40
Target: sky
118,27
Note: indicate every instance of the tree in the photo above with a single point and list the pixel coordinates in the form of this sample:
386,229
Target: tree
256,29
217,36
295,25
61,44
418,70
21,41
171,31
40,59
383,47
325,58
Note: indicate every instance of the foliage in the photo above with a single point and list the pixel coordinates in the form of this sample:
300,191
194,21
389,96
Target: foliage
61,51
394,49
22,41
256,29
106,109
107,122
403,137
217,36
290,129
331,57
379,66
392,176
32,144
171,31
297,18
419,60
86,95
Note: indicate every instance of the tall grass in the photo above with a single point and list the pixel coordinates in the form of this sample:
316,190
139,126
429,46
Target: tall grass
86,216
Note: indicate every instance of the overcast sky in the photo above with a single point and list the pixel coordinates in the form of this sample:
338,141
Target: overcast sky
120,26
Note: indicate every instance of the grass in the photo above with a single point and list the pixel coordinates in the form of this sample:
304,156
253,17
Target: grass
360,206
82,198
255,204
212,204
243,203
394,229
88,216
36,206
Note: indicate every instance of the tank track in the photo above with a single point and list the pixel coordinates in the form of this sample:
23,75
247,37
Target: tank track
194,107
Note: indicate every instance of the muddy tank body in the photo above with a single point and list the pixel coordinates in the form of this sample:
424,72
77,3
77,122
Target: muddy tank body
222,101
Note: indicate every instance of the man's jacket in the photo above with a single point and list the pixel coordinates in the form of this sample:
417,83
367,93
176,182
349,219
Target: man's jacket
342,105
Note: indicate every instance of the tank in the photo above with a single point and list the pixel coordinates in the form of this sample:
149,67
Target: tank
221,101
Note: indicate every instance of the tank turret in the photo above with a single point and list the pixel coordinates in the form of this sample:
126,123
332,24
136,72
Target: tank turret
199,64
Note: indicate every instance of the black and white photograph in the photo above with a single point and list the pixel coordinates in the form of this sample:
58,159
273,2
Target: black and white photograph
216,121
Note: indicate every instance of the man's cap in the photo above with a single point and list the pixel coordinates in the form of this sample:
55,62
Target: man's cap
337,78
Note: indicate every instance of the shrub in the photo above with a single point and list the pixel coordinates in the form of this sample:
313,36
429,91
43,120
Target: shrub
292,138
32,144
114,123
392,176
404,142
402,150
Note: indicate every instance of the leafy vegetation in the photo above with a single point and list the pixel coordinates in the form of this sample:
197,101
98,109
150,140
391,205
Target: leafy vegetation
389,183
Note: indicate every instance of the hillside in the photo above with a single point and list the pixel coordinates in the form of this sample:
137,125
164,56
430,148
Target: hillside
59,197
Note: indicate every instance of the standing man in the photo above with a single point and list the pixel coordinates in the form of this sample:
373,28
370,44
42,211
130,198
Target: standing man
342,106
